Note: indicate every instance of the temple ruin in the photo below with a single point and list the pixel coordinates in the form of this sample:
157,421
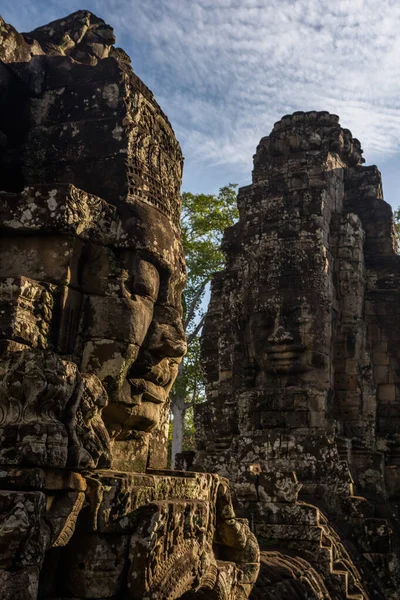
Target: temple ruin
91,275
300,350
301,356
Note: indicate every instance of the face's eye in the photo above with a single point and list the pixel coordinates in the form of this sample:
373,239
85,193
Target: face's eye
143,279
303,321
291,311
268,320
263,322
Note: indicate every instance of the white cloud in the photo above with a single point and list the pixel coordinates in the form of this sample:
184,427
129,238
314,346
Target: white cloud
225,70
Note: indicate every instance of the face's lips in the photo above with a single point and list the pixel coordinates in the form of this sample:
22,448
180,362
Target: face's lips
280,348
284,353
154,384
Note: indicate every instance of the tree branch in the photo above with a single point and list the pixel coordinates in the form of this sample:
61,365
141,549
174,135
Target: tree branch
195,383
199,325
194,302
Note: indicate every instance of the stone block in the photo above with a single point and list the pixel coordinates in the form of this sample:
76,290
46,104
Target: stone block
278,487
275,534
352,366
380,358
348,399
346,382
350,413
317,419
50,414
387,393
154,559
272,419
24,539
20,584
381,374
394,375
53,259
38,444
297,419
57,208
121,319
76,142
14,478
93,566
276,513
392,481
92,100
375,536
388,425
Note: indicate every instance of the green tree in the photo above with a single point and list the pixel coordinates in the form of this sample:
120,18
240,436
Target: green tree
397,226
204,219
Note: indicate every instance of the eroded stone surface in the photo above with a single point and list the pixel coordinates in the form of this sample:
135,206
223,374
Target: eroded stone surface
300,351
91,336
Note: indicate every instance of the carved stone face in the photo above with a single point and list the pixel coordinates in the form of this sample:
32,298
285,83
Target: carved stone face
290,326
133,337
284,337
103,292
111,245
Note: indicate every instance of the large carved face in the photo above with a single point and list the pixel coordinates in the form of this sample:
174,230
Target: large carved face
133,338
99,286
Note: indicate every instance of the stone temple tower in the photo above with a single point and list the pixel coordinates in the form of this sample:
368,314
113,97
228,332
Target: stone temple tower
91,336
300,351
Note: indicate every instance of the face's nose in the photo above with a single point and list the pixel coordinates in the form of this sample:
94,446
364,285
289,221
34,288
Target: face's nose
166,341
166,336
280,335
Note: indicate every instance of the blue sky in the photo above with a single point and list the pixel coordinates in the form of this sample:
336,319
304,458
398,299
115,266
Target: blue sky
225,70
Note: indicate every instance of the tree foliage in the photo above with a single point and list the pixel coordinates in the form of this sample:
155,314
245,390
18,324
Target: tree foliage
397,226
204,219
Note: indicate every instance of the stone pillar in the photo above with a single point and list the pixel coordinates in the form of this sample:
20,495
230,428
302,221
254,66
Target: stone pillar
299,353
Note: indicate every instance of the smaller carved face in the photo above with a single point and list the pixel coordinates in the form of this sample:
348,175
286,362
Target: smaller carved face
284,337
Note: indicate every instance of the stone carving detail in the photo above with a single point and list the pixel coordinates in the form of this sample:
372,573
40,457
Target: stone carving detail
82,36
50,414
91,276
300,352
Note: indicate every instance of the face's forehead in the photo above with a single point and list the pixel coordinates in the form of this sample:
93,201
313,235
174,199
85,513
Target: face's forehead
143,227
64,210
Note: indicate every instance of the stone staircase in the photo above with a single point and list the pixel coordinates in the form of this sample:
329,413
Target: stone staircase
306,541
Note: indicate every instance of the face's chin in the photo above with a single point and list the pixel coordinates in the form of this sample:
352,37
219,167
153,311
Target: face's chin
125,420
136,407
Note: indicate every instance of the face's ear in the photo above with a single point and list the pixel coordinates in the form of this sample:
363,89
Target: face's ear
29,311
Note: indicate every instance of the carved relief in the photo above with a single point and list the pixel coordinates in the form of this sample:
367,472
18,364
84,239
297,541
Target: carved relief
309,286
50,414
91,336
